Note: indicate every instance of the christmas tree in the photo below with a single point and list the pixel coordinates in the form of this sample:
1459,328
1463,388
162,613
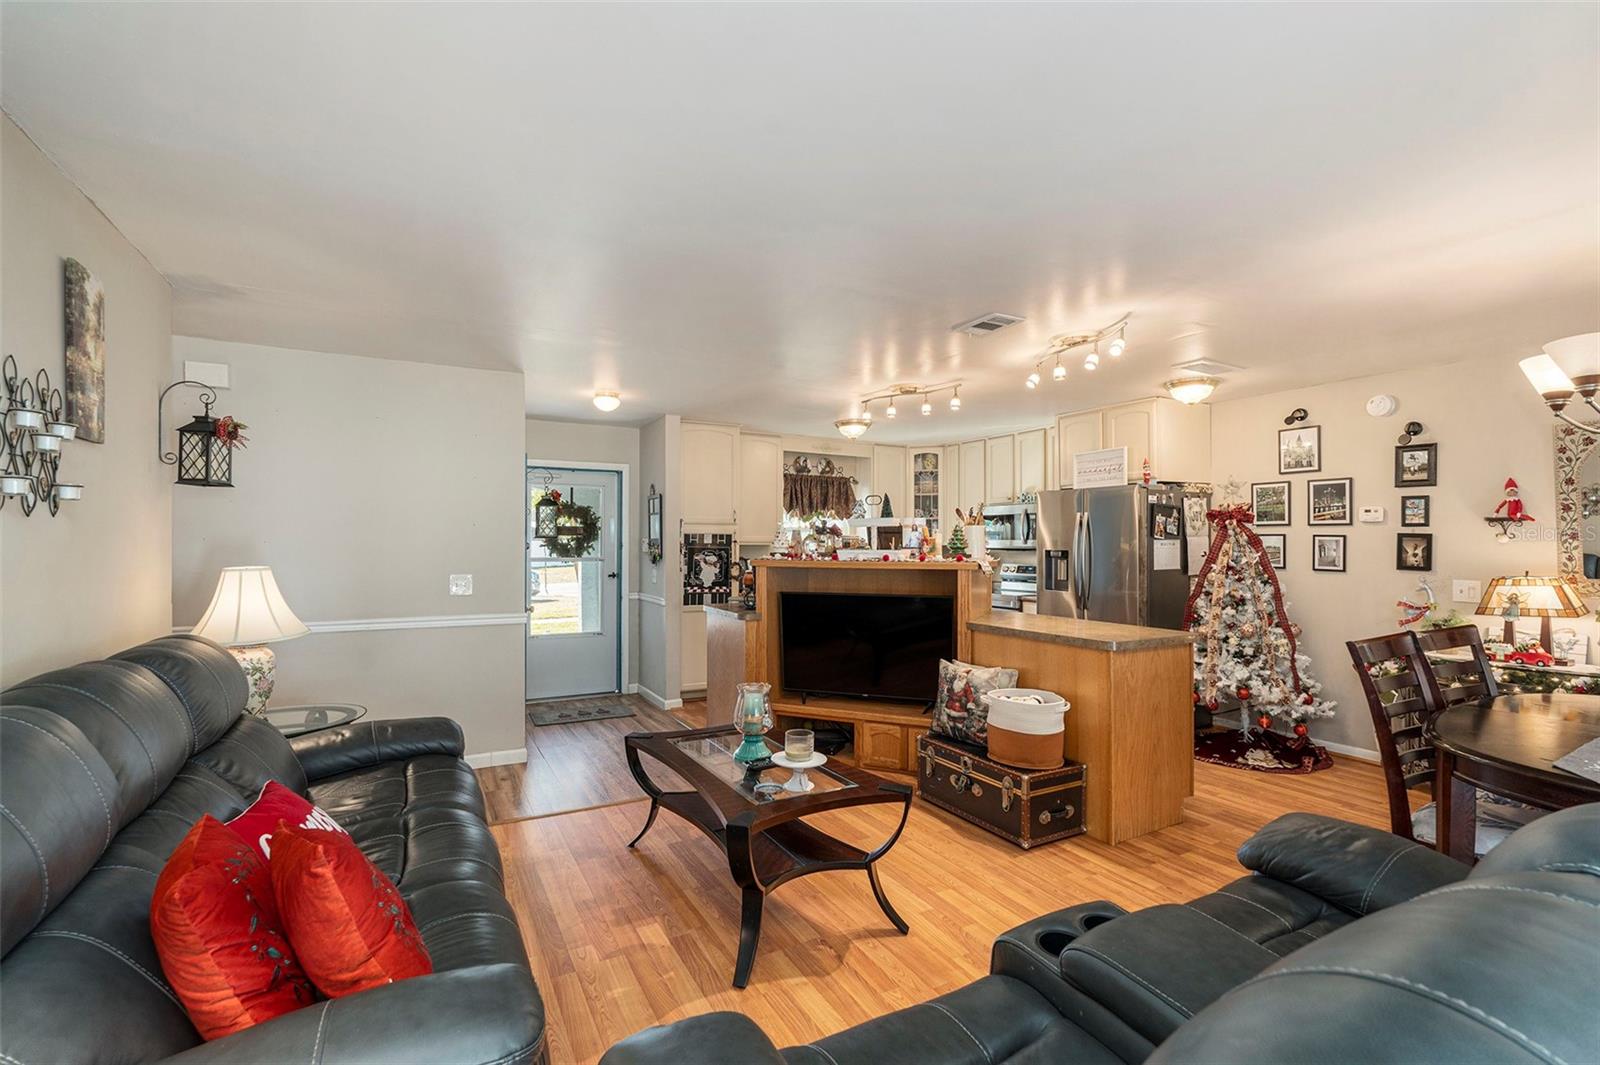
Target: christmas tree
957,544
1247,651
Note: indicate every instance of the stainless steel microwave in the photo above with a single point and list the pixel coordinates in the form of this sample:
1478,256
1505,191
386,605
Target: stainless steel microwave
1010,525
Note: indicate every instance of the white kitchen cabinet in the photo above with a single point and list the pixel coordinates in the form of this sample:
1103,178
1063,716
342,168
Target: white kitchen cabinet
1174,436
1075,433
949,490
1000,464
927,485
1033,451
709,465
693,631
974,474
891,479
760,504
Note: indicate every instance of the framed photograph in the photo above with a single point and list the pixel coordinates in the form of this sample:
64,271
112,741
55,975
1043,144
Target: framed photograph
1270,502
1327,552
1413,551
1415,511
1416,465
1300,449
1331,501
1277,552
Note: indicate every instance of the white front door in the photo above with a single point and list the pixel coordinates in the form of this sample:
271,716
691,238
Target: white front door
574,603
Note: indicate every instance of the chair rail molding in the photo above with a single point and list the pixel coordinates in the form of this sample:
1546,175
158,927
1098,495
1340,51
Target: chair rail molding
433,621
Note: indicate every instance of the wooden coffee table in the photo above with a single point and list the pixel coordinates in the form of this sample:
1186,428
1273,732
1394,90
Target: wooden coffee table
761,830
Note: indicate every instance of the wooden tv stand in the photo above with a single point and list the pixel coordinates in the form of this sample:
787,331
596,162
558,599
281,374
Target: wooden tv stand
885,733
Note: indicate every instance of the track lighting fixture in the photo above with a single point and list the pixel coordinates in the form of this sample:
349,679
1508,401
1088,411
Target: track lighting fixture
856,425
1060,345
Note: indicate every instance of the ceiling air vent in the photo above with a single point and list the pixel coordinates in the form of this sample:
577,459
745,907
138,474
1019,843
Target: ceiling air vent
985,324
1206,367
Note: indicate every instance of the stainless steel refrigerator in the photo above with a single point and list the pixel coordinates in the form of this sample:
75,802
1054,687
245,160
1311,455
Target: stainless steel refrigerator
1116,554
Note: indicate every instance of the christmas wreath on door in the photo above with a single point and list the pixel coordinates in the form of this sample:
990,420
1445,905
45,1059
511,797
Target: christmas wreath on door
567,529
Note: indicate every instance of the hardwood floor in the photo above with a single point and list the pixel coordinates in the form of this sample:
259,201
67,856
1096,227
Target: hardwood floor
624,939
572,767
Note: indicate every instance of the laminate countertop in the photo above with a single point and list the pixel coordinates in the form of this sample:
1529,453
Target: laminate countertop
1095,635
738,610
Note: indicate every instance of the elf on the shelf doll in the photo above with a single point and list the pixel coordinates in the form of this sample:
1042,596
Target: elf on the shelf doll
1512,503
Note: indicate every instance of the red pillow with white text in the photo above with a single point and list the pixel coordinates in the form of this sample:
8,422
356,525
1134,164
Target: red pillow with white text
349,925
218,934
274,805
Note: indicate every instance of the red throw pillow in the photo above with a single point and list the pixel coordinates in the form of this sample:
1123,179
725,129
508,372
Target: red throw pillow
218,935
349,925
277,803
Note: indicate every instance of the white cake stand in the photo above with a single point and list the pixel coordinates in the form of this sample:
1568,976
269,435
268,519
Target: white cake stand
797,780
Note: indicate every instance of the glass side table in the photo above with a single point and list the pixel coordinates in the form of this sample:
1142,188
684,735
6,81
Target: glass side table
299,720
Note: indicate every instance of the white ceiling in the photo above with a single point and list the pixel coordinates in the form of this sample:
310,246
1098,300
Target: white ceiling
759,212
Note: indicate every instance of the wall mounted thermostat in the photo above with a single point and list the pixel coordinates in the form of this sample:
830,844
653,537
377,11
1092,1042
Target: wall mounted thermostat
1371,515
1382,406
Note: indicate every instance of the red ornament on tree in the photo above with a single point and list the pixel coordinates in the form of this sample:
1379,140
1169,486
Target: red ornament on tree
1300,728
1243,693
1197,698
1265,721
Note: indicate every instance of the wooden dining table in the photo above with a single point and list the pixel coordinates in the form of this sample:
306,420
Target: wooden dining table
1508,745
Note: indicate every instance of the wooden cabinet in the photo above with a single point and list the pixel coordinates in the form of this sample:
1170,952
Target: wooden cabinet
1000,463
1033,450
1074,433
950,491
760,504
974,474
880,746
709,464
1175,437
693,650
890,479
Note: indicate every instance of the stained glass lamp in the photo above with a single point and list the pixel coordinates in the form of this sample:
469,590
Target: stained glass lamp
1531,597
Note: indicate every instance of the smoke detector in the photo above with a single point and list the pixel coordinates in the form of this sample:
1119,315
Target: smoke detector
1205,368
985,324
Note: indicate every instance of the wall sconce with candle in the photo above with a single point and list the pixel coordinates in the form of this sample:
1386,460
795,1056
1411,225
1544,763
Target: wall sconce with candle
34,431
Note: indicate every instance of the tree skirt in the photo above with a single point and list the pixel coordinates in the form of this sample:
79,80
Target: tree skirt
1266,751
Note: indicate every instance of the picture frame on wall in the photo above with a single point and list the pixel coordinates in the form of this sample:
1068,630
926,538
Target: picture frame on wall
1416,511
1276,548
1413,551
1331,501
1269,501
1300,449
1416,465
1328,552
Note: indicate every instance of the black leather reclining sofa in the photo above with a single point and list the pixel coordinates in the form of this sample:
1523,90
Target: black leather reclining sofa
103,769
1346,945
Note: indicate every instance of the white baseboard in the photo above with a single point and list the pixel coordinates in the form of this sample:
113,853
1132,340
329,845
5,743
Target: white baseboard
513,756
1345,749
655,700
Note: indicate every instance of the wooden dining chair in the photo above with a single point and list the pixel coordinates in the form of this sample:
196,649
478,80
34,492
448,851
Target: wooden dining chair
1459,682
1402,697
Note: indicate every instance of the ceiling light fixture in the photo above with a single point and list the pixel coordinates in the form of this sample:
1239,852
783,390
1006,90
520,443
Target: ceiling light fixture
607,401
852,428
1191,390
955,399
889,410
857,424
927,408
1569,367
1061,344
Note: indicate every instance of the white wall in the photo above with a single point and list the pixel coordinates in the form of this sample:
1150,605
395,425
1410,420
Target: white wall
96,578
661,584
366,483
617,445
1489,425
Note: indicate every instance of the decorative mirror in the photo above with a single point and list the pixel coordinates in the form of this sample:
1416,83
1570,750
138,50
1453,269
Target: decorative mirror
653,525
1578,506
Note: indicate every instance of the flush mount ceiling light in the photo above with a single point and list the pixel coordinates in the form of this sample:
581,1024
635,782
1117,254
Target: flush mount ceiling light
857,424
1191,390
1569,366
607,401
1061,344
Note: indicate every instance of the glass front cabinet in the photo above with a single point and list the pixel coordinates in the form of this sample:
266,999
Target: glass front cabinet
925,486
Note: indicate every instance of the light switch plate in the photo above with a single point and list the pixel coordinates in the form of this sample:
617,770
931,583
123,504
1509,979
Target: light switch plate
460,584
214,374
1372,515
1466,591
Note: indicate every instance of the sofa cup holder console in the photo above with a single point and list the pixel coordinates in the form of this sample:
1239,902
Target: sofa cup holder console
1050,935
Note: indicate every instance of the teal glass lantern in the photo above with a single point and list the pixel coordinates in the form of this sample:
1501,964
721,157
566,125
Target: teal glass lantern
753,715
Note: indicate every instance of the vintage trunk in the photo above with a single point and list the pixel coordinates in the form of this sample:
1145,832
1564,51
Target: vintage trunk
1026,806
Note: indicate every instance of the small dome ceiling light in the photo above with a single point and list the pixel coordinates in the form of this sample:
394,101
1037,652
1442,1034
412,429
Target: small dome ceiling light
607,401
1191,390
852,428
955,399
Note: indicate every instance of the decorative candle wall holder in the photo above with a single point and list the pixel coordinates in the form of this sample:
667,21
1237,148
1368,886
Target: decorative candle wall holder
34,431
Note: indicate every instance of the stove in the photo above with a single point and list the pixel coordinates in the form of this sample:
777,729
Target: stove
1019,583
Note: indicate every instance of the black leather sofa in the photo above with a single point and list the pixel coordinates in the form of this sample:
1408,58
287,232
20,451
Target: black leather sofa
1347,944
103,768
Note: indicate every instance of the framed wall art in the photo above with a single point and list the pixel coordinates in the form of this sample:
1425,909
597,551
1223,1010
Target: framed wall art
1276,548
1300,449
1415,511
1331,501
1269,501
1328,552
1416,465
1413,551
86,352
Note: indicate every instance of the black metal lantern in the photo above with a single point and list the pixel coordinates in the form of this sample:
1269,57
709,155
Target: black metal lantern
544,517
204,458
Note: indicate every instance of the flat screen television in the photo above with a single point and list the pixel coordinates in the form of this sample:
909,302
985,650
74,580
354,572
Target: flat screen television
868,646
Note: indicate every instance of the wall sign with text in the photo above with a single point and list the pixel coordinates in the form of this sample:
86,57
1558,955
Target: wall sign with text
1106,468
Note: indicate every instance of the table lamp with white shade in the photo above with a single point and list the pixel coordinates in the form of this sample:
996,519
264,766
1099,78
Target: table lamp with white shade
247,613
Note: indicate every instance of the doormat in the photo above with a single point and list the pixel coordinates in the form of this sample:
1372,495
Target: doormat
1266,752
566,714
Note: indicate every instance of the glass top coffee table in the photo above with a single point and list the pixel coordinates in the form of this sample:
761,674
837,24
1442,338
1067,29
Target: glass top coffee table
756,823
